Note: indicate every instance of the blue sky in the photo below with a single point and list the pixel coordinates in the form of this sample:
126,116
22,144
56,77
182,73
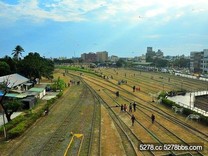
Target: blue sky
68,28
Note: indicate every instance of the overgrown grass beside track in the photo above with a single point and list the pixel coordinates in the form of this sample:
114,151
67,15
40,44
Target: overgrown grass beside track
22,122
186,111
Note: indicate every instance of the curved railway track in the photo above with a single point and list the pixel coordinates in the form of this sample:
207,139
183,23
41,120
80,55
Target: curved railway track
129,139
152,108
193,130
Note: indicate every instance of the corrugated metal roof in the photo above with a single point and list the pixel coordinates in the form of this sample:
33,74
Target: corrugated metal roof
36,89
13,80
21,96
11,95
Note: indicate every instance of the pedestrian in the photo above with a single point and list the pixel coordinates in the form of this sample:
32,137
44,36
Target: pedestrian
134,106
132,119
138,89
153,118
125,107
130,107
134,87
122,108
117,94
46,111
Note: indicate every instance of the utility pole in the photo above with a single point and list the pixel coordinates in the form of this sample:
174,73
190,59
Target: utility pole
5,133
190,100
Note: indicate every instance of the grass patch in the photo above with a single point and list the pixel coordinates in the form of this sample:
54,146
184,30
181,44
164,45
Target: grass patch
84,70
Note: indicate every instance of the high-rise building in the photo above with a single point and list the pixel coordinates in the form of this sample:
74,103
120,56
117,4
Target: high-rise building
102,56
159,54
150,54
90,57
149,49
114,58
199,61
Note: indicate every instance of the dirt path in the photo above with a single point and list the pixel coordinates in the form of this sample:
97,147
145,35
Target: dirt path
111,141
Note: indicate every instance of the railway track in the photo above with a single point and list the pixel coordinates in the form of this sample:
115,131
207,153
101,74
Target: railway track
170,119
129,139
167,115
175,81
163,130
128,145
166,131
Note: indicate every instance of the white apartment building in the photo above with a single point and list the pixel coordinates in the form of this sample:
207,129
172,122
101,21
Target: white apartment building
199,61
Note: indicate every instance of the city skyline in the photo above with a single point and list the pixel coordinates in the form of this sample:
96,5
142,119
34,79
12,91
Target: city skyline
56,28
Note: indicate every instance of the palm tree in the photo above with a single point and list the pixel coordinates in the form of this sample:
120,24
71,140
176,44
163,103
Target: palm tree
17,51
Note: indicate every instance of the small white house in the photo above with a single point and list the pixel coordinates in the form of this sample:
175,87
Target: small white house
40,92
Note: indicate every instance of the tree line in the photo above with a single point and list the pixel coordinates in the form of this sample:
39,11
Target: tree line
31,66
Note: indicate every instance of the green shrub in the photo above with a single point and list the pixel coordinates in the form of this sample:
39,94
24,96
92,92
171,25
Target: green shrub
59,94
168,103
17,130
162,94
13,123
204,120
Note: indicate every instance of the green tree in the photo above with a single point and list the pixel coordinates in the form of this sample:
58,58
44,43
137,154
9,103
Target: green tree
182,63
160,62
48,69
12,64
17,52
149,59
4,68
59,84
9,106
120,63
35,66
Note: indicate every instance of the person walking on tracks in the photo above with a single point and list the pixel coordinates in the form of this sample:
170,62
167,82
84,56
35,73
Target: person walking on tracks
125,107
134,87
153,118
132,119
134,106
46,111
122,108
130,107
117,94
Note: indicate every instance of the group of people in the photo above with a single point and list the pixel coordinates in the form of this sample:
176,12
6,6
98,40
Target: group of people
135,88
133,106
124,107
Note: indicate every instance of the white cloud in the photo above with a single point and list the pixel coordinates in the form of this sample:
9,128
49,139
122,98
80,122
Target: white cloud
153,36
101,10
